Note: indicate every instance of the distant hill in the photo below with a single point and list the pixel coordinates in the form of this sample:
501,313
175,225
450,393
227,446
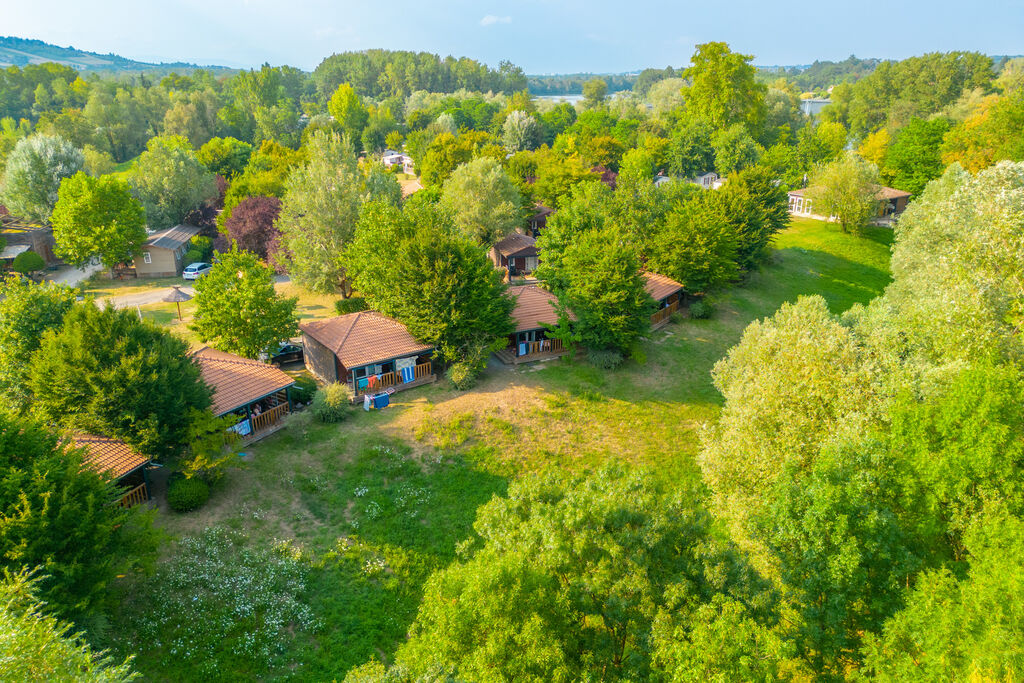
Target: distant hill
23,51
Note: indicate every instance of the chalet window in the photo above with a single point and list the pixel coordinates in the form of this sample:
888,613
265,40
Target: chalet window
146,257
531,263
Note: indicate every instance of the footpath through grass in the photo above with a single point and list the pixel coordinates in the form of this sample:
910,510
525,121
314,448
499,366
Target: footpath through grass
328,532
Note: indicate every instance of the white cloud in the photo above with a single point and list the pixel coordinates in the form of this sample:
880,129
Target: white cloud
490,20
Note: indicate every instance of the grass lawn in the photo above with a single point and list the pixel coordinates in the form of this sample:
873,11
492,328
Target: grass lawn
371,506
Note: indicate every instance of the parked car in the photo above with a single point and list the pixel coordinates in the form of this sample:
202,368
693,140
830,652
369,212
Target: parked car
194,271
287,353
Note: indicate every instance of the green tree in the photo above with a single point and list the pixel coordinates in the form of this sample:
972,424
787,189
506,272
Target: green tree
757,206
98,218
348,110
380,185
57,514
483,200
33,175
690,150
225,156
697,245
734,149
520,132
417,267
914,159
237,308
595,92
604,290
587,206
374,135
847,189
107,372
564,579
319,213
27,310
447,152
170,181
39,647
28,262
723,88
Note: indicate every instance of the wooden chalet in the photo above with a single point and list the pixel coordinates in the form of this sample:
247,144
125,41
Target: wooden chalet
516,254
164,252
20,236
258,393
891,203
539,220
118,461
535,313
367,351
607,176
669,295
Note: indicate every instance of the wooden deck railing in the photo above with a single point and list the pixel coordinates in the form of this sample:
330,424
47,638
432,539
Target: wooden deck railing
137,495
663,314
543,346
269,418
393,379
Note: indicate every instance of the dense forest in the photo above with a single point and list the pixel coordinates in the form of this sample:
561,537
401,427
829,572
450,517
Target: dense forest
853,509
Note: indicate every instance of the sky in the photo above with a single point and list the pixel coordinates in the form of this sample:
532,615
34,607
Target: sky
541,36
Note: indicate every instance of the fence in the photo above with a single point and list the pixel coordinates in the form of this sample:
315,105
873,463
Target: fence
137,495
660,316
269,418
392,379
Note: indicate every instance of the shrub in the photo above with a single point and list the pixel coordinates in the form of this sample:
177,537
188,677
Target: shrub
333,403
192,256
28,262
606,359
464,374
700,310
305,387
351,305
185,495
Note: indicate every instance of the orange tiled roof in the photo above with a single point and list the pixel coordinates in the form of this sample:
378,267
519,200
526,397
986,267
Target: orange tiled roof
659,286
882,193
534,307
363,338
237,381
111,456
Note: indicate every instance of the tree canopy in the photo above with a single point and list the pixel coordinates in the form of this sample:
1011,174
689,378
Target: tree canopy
33,175
98,218
485,203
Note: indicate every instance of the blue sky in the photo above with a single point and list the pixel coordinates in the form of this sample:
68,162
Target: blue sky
542,36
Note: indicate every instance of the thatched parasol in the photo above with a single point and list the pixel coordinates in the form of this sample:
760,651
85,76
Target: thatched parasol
176,296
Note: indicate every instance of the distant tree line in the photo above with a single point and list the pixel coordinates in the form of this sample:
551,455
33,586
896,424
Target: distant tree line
572,84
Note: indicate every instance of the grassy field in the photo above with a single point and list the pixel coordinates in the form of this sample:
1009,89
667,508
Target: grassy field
352,518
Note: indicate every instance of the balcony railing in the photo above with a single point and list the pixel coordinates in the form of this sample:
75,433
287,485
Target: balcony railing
394,379
663,314
269,418
137,495
543,346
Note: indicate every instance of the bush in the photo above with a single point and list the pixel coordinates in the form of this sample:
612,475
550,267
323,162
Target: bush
305,387
192,256
351,305
333,403
28,262
185,495
700,310
464,374
606,359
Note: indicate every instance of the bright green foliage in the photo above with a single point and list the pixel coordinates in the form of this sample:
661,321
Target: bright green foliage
697,245
447,152
723,90
691,152
108,372
170,181
586,207
602,288
820,143
33,175
187,494
28,262
961,629
97,162
847,189
332,403
264,176
36,646
595,91
225,156
379,185
520,132
565,580
27,310
374,135
989,135
416,267
210,445
757,207
56,513
913,159
483,200
319,212
238,310
98,218
349,111
556,176
735,149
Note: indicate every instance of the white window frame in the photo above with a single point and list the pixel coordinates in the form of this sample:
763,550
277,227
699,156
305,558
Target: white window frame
147,257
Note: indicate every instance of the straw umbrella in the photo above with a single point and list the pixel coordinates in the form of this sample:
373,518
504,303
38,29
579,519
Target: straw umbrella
176,296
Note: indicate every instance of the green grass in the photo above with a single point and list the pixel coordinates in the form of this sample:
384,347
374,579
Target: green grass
377,503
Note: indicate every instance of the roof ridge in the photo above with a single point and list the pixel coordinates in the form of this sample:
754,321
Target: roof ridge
348,332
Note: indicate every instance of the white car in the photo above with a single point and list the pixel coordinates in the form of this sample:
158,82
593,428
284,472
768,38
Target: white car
194,271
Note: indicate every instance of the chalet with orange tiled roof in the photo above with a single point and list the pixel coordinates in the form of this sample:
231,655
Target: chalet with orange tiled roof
367,351
667,292
535,315
891,203
258,393
118,461
516,254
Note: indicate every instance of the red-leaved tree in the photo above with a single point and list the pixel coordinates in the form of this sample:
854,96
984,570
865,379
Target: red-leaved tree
252,224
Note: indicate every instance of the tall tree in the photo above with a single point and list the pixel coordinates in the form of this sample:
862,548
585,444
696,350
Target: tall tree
756,205
225,156
98,218
847,189
319,214
723,89
913,159
735,149
251,225
35,169
486,204
27,310
107,372
348,110
170,181
520,132
595,91
237,309
696,246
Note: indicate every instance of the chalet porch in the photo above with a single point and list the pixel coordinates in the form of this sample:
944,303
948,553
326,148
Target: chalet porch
414,376
661,317
262,417
543,349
